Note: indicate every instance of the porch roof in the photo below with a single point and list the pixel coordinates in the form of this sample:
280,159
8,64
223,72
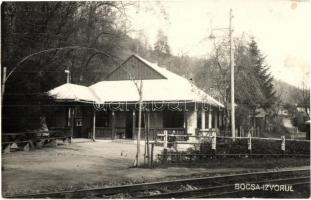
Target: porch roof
73,92
126,91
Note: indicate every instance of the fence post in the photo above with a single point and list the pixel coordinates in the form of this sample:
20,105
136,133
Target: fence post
214,143
283,144
165,139
249,146
165,146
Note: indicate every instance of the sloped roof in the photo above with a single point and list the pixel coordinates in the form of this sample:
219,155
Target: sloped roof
165,73
153,90
172,89
148,64
73,92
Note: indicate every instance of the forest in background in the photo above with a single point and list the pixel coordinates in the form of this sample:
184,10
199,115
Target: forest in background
92,38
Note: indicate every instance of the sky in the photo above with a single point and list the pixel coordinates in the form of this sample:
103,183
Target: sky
280,27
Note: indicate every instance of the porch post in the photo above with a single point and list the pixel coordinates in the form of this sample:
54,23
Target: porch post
191,122
216,119
185,120
68,116
113,134
71,115
133,127
202,119
209,118
220,119
94,125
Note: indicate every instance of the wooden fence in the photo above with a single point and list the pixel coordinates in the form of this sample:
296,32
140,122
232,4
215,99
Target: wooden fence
212,139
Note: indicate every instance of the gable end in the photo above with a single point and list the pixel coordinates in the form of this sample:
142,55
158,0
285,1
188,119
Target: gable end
137,68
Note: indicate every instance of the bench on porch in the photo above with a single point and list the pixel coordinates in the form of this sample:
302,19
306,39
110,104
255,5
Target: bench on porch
120,132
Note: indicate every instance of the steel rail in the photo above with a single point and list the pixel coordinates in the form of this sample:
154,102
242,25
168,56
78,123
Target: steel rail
240,194
218,190
152,185
237,193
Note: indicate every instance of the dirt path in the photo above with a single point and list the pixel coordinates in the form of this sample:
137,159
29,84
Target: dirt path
84,165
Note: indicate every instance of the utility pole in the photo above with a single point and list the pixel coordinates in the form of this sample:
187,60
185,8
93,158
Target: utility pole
232,76
232,70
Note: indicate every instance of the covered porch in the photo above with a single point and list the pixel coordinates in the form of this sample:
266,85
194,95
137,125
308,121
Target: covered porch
189,119
113,117
84,120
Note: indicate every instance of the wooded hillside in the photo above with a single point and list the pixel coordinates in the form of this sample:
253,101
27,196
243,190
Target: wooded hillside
40,40
287,93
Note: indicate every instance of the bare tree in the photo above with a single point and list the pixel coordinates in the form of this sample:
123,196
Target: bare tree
304,98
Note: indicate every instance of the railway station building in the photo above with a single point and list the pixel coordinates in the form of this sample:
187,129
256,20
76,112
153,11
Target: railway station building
109,109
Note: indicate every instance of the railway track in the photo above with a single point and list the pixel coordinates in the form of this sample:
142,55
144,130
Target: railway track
203,187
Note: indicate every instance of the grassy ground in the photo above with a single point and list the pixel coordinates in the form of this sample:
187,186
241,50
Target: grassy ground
82,165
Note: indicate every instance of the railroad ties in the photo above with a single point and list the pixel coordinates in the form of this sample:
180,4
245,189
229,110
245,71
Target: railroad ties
234,185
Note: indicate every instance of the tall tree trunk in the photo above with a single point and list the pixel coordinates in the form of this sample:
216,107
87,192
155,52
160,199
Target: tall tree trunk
139,124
